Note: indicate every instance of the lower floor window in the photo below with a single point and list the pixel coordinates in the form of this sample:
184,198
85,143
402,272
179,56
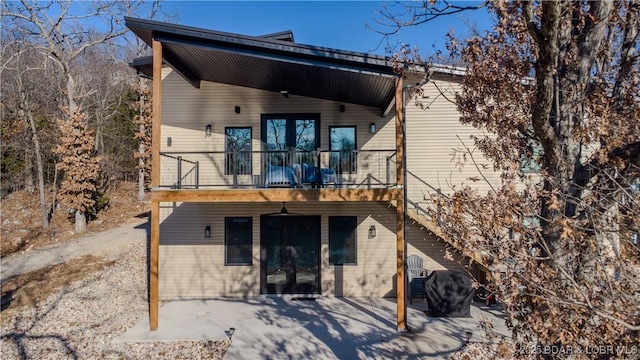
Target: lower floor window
342,240
238,240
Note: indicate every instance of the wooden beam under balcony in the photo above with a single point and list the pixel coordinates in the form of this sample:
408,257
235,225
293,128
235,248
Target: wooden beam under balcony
274,195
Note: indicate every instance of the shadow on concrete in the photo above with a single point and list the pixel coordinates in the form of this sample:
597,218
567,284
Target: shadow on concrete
275,327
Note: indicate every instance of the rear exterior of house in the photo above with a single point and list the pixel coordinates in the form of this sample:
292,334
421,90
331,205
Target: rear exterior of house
193,265
280,168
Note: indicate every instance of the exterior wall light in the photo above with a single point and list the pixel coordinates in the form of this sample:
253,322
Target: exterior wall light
372,128
237,109
372,231
342,108
207,232
207,130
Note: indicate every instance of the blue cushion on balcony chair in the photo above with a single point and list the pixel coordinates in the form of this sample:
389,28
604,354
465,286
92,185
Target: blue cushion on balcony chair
280,176
310,175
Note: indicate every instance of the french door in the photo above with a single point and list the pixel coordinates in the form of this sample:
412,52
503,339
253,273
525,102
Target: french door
289,254
290,138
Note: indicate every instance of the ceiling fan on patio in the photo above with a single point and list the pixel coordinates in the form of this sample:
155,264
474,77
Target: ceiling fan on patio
283,211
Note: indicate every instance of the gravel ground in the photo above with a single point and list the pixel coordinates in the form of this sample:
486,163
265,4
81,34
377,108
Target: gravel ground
80,321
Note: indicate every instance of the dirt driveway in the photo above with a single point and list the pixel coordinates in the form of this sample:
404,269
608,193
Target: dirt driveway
109,244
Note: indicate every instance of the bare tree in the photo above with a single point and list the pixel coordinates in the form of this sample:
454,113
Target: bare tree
109,111
64,30
143,106
24,72
557,84
70,32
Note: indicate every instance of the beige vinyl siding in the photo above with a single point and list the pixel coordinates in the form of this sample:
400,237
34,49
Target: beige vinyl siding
187,110
432,136
193,266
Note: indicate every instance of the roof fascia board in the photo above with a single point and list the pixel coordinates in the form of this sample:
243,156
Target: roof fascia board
141,61
279,45
260,42
281,35
447,69
166,38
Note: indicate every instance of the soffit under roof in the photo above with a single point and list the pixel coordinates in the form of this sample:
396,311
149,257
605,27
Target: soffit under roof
268,63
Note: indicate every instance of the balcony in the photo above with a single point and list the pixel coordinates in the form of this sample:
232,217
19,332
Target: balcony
354,169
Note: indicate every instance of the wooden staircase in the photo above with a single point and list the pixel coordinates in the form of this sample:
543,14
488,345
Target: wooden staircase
432,227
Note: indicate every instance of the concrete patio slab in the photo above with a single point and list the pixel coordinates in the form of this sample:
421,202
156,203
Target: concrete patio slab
327,328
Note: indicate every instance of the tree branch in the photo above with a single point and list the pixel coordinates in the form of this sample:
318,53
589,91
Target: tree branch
527,11
419,14
627,58
545,68
628,155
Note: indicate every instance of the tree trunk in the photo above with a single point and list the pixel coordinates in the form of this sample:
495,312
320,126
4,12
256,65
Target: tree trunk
71,92
39,165
608,239
99,138
81,222
55,194
40,170
29,185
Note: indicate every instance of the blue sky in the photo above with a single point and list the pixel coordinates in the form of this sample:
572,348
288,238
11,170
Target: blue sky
335,24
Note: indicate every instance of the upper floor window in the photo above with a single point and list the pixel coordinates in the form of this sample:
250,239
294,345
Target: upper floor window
238,151
342,141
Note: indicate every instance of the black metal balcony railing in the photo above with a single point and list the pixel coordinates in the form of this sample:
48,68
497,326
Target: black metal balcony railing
265,169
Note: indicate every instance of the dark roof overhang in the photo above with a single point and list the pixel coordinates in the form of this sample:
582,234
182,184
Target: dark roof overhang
271,62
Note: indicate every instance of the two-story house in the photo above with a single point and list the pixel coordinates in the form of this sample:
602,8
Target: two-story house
284,168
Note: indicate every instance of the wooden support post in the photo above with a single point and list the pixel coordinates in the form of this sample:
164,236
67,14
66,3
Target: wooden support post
401,280
400,248
154,252
156,113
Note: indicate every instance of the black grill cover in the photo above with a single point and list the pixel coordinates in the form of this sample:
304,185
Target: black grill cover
449,293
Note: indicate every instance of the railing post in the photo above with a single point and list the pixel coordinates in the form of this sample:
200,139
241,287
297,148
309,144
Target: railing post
439,208
179,182
388,170
262,178
234,167
197,174
369,181
318,175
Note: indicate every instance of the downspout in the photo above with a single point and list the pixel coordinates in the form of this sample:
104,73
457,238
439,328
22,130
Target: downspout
405,202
